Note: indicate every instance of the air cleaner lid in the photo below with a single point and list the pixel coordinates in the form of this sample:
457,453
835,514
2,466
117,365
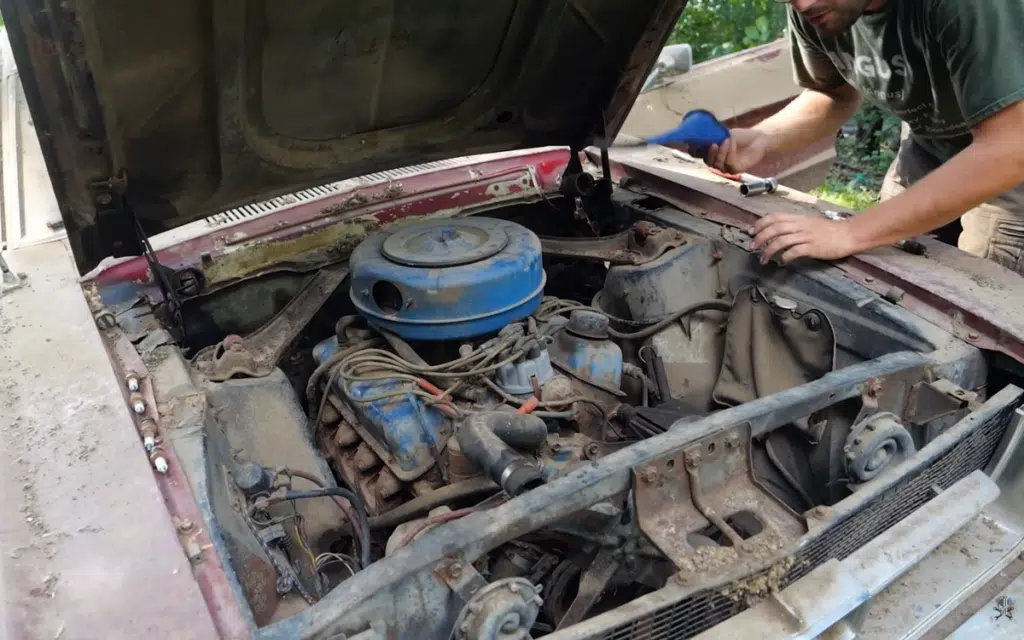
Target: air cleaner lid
446,243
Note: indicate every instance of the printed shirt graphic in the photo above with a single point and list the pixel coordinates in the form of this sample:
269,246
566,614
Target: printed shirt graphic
942,66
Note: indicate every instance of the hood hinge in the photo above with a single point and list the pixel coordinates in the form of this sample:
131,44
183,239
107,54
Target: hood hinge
593,196
120,234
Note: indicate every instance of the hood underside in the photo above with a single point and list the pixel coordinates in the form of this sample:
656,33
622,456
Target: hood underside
167,112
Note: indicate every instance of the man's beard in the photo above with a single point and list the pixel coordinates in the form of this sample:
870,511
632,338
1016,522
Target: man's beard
837,20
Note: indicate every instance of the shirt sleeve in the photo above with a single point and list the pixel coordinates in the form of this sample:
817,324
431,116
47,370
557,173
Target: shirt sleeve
983,45
812,68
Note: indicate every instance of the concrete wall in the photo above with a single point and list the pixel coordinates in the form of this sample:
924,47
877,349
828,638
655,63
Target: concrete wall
28,208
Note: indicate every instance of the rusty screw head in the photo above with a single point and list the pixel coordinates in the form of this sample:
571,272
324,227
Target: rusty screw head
455,570
973,335
650,475
819,512
874,388
592,450
692,459
556,447
732,441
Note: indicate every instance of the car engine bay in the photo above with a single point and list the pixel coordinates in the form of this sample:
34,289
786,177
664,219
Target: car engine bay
452,369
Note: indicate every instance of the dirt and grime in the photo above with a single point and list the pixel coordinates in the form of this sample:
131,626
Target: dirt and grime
763,584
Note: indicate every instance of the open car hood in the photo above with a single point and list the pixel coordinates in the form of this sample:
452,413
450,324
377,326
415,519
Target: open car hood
166,112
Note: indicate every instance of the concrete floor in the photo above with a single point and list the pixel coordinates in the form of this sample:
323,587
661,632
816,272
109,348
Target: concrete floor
87,548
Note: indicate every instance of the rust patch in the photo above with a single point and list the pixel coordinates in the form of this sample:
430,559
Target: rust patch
357,200
259,256
706,489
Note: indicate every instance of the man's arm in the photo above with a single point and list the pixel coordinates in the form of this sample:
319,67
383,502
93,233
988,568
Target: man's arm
826,103
991,165
977,39
813,115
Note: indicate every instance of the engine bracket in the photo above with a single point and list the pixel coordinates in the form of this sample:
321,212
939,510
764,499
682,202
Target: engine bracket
640,244
258,353
703,508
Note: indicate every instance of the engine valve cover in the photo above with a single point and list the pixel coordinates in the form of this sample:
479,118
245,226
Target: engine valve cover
448,279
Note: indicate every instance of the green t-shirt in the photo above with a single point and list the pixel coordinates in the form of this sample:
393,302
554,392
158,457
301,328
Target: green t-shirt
942,66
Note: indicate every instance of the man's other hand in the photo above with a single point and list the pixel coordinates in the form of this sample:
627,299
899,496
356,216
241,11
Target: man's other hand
793,236
741,152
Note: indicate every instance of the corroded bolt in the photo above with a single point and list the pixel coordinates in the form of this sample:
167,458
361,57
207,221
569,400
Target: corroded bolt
132,381
692,459
819,512
650,475
973,335
592,450
874,388
455,570
681,579
732,441
556,447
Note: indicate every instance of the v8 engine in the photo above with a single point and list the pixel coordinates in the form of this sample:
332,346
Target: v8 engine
455,363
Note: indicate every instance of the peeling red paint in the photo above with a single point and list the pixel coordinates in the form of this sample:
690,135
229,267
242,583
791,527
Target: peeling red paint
421,194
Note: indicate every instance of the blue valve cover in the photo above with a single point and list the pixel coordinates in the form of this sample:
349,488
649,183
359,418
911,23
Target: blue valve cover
448,279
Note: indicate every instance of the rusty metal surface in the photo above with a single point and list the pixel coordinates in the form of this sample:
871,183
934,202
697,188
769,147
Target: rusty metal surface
970,297
257,354
932,400
327,229
687,497
640,244
87,548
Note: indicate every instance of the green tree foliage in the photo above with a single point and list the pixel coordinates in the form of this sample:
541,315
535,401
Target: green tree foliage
718,27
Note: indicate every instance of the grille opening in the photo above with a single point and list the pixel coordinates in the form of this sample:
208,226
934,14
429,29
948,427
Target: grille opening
706,608
745,523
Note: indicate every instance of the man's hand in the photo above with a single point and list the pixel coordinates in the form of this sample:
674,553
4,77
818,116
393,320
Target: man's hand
795,236
742,151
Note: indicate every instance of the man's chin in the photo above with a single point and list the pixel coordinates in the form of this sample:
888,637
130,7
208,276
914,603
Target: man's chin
832,24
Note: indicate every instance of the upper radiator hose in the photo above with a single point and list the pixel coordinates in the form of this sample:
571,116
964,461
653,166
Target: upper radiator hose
488,438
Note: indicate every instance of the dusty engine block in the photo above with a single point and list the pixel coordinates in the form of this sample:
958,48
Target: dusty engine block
467,294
